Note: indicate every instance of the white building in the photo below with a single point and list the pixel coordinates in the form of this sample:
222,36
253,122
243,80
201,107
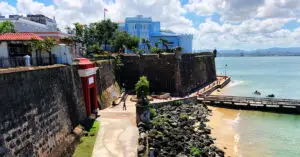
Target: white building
31,23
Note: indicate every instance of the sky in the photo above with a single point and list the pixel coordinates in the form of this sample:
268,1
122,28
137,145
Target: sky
221,24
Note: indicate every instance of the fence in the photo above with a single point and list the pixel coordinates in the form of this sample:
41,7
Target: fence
7,62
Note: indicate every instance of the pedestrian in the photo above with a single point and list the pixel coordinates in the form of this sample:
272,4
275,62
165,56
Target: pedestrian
124,105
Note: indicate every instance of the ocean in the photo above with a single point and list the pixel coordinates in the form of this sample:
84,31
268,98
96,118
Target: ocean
256,133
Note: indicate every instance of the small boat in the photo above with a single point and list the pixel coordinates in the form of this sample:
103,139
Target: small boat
257,93
271,96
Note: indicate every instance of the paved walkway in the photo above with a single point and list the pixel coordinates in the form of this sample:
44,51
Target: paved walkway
118,135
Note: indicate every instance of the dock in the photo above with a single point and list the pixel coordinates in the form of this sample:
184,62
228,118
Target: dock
256,103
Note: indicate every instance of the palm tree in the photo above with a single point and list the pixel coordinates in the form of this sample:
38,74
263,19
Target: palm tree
144,43
156,44
164,42
148,44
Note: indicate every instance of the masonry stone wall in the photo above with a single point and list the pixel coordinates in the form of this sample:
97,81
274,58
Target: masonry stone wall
160,71
196,70
38,109
106,83
166,73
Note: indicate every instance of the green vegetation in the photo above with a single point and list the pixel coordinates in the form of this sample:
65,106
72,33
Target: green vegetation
152,112
121,39
98,33
95,49
86,146
164,42
146,44
160,121
184,115
178,102
43,46
195,152
142,87
7,27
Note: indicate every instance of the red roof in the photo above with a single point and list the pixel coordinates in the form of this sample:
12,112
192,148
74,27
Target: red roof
19,37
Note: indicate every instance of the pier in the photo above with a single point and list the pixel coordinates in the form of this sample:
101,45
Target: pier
256,103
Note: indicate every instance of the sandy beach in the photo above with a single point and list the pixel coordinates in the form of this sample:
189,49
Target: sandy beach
222,124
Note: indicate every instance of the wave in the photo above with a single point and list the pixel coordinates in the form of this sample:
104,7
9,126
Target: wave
236,143
235,121
235,83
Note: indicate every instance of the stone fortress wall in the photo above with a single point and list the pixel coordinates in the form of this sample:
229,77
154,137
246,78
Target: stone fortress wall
166,73
39,108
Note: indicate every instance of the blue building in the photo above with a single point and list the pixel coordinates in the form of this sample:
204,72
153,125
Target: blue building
144,27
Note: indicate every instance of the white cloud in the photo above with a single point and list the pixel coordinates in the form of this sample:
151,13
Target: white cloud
245,24
250,34
279,8
230,10
6,9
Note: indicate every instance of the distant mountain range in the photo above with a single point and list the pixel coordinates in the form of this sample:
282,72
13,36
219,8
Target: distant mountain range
292,51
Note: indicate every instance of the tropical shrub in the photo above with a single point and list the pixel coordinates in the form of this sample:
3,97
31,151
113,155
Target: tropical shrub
195,152
142,86
152,112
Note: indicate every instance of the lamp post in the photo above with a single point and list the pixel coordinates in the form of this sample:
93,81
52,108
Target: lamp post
225,70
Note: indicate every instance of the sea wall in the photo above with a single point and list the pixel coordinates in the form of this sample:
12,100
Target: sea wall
166,73
196,70
38,109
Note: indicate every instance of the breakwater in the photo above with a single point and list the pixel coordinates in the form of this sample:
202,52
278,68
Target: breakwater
177,128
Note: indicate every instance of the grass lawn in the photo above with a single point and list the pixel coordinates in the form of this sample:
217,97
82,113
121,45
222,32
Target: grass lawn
86,145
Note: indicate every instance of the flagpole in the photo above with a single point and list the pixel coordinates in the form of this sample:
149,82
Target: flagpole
104,14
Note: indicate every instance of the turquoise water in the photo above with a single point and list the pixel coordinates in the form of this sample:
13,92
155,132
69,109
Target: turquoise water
262,133
269,75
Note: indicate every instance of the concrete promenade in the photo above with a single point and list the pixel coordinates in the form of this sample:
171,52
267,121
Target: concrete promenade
118,134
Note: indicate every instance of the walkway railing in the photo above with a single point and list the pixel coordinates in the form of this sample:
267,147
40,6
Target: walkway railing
250,101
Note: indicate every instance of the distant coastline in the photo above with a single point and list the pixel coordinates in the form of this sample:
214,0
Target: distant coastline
275,51
257,55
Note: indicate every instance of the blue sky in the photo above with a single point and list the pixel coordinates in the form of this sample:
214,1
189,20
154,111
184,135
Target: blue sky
234,24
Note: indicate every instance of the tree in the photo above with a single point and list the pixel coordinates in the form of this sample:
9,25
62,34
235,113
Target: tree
121,39
95,48
79,30
146,43
142,87
7,27
132,42
43,46
105,31
164,42
37,46
47,45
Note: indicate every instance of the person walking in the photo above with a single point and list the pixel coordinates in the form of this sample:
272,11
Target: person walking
124,104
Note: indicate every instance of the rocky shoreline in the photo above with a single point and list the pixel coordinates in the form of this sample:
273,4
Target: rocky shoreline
177,129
